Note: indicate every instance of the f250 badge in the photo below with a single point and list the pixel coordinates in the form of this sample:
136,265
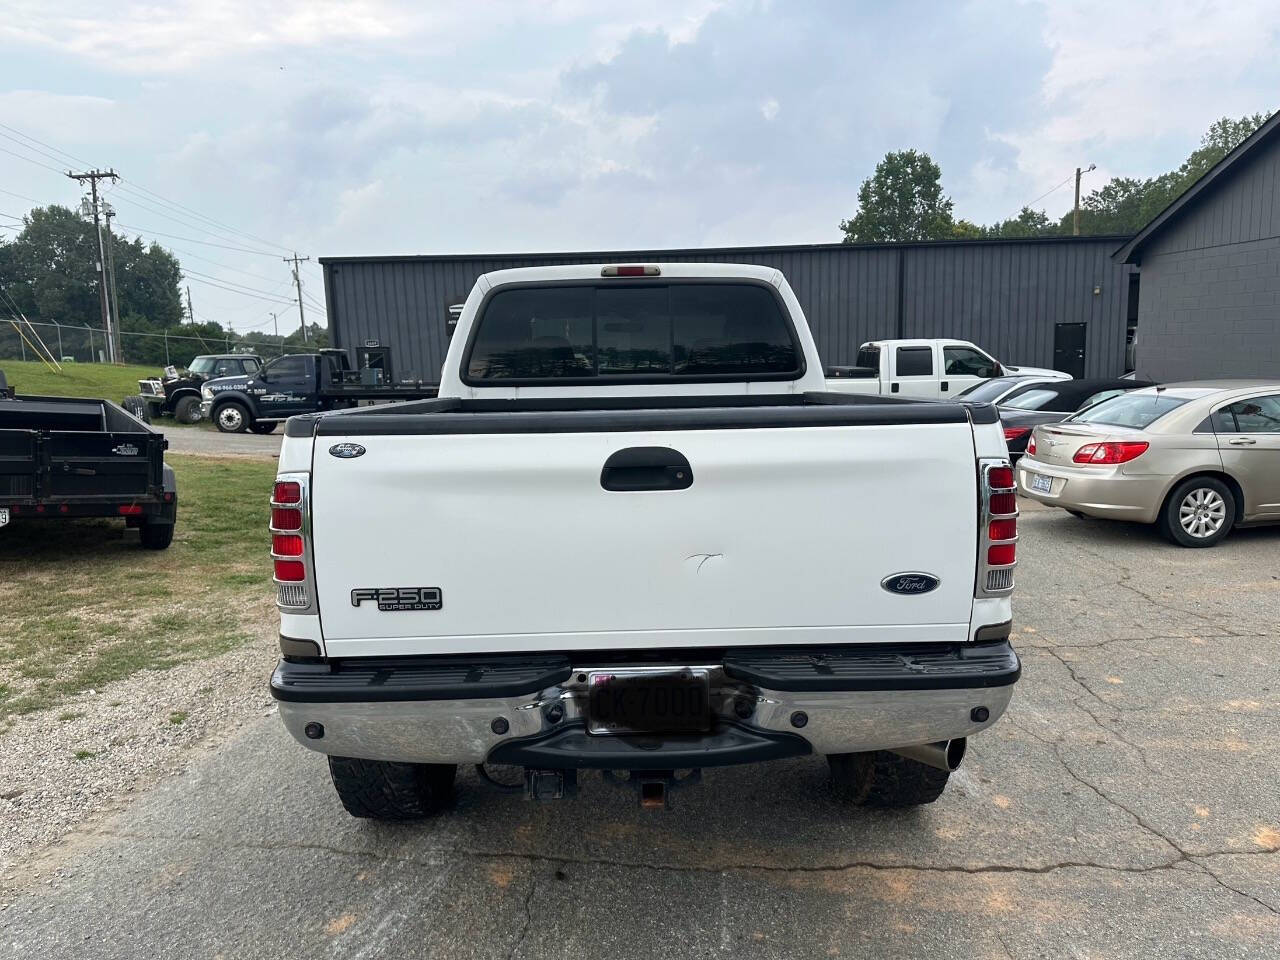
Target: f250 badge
346,451
125,450
910,583
392,599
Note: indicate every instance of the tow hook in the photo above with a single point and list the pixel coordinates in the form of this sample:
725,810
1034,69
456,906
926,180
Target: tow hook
653,787
547,785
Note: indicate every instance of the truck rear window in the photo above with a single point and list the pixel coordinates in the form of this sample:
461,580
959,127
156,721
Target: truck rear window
634,331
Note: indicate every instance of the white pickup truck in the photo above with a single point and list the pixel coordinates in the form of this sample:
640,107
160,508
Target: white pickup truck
636,533
924,369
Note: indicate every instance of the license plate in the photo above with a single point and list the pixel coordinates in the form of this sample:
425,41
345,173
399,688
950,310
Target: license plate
621,701
1041,484
4,516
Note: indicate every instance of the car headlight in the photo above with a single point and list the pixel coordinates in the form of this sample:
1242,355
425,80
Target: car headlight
206,393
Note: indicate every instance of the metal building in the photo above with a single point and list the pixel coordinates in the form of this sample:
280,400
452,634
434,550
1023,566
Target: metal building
1059,302
1210,271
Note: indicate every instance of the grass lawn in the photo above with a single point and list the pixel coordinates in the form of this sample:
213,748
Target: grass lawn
82,604
100,380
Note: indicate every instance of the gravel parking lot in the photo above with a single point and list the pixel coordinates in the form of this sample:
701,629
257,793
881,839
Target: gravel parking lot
1125,807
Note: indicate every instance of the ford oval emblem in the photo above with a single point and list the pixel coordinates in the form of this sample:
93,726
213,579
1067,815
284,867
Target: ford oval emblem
910,583
347,451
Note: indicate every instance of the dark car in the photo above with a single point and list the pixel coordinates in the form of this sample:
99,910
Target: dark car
1053,401
177,393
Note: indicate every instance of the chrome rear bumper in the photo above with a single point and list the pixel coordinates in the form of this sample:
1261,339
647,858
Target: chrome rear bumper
861,709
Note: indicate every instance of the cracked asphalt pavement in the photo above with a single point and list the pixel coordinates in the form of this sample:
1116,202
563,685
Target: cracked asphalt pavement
1126,806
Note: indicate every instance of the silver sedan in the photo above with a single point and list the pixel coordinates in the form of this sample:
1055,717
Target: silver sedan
1194,458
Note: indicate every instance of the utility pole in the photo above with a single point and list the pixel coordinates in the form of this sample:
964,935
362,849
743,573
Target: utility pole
1075,211
297,282
191,314
107,214
93,176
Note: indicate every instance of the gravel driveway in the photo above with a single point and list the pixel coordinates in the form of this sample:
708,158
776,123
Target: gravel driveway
206,440
1126,806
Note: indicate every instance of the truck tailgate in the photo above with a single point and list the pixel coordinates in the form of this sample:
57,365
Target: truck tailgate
784,536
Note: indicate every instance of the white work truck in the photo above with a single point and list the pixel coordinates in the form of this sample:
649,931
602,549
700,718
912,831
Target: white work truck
924,369
635,532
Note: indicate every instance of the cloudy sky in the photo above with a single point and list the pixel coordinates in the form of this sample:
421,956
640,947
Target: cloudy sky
380,127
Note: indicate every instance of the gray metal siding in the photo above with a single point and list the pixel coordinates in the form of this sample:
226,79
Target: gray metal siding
1006,297
1210,300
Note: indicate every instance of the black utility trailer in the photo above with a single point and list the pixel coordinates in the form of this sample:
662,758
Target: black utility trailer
63,457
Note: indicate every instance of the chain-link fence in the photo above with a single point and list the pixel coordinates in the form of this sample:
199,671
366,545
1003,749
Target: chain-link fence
85,344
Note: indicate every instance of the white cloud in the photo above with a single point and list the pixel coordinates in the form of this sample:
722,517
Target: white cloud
1132,86
769,109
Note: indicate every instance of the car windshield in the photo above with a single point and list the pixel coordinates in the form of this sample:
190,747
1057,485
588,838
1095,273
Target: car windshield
1130,410
1030,399
201,365
988,390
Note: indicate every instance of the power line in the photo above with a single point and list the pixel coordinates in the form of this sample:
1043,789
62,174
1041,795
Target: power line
218,286
28,136
226,266
1041,197
183,221
21,196
134,184
230,283
29,160
261,253
131,186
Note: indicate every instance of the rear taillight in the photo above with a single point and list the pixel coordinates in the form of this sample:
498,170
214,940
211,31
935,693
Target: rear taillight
998,519
1111,452
1015,433
283,518
290,553
1031,444
287,491
290,571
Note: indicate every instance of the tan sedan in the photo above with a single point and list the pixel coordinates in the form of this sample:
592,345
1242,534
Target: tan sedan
1194,458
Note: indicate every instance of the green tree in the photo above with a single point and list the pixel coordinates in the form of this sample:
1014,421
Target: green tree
1028,223
902,200
1126,205
50,270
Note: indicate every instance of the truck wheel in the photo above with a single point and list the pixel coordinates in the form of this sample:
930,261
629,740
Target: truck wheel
385,790
156,536
187,410
1199,512
883,779
137,406
231,417
263,428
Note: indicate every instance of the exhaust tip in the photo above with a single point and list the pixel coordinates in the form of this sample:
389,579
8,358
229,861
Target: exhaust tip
943,754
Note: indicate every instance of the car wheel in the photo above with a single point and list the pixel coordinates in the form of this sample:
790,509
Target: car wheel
385,790
1199,512
263,428
156,536
231,417
883,779
187,410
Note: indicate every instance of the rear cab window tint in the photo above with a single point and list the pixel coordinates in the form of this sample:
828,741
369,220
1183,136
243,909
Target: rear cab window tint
616,332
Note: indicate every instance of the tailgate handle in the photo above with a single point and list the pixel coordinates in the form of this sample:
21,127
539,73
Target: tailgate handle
646,468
